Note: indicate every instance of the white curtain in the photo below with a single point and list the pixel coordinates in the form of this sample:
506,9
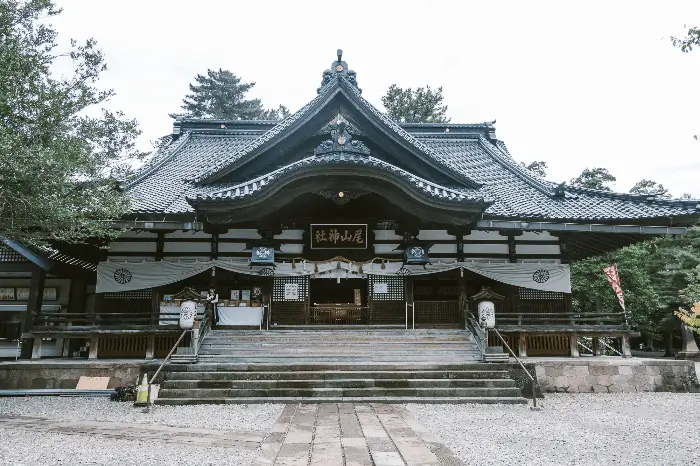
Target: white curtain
114,276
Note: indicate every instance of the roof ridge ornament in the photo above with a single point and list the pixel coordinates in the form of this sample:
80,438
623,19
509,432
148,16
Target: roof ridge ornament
339,69
341,142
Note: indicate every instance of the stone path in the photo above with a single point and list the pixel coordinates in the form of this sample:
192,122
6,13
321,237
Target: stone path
342,434
203,437
352,435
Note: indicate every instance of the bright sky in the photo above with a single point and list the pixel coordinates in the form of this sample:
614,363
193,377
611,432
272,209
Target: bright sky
577,84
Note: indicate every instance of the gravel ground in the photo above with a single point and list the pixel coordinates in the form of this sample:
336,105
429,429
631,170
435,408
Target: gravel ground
259,417
24,447
572,429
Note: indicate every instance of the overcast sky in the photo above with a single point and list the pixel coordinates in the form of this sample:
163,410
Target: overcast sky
577,84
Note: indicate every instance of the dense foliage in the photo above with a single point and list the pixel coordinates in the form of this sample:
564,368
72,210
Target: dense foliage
687,43
594,178
423,105
220,94
58,164
656,276
538,168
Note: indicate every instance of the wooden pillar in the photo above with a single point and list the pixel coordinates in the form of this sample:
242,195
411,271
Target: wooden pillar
36,348
512,256
522,345
66,348
596,346
626,350
408,296
267,301
155,306
574,345
94,347
76,296
150,346
463,311
34,301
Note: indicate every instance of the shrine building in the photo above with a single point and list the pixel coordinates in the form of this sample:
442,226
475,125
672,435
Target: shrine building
336,217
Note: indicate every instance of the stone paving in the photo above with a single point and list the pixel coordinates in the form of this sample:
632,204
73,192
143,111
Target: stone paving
180,435
353,435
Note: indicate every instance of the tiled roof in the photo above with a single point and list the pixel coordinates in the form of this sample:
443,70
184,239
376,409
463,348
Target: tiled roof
258,185
165,186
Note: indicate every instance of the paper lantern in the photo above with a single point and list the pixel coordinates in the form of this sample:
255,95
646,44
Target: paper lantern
188,311
487,314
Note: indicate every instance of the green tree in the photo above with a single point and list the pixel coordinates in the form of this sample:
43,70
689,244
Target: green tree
424,105
56,162
591,289
538,167
651,188
687,43
221,94
594,178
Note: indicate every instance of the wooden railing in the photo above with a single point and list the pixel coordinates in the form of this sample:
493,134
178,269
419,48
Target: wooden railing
339,314
552,318
106,319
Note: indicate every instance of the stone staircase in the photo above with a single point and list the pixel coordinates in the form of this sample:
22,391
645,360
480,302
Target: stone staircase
305,346
330,366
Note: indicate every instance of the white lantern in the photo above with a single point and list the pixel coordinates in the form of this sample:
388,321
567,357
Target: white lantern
188,311
487,314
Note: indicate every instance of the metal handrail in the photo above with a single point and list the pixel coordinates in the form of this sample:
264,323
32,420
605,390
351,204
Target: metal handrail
610,347
532,379
475,328
150,382
584,346
602,341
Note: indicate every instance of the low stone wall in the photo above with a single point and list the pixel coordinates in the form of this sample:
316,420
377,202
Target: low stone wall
59,374
603,375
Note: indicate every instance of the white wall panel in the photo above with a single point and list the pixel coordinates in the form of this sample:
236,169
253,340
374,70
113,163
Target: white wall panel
386,235
186,247
486,248
539,236
291,234
539,261
386,249
117,247
231,247
292,248
485,235
443,249
244,234
434,235
536,249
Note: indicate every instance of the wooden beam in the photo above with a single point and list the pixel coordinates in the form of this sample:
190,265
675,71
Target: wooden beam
512,256
573,343
34,301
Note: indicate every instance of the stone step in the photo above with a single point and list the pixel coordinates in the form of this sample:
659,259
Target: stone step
336,375
334,351
223,359
338,383
370,392
315,400
361,366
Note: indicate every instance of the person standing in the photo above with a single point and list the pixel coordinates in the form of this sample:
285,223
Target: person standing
212,303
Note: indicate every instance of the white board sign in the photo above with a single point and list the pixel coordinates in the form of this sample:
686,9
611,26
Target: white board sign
380,288
291,291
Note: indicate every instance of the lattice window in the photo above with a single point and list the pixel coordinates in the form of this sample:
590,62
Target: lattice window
278,288
7,254
135,294
394,287
529,293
